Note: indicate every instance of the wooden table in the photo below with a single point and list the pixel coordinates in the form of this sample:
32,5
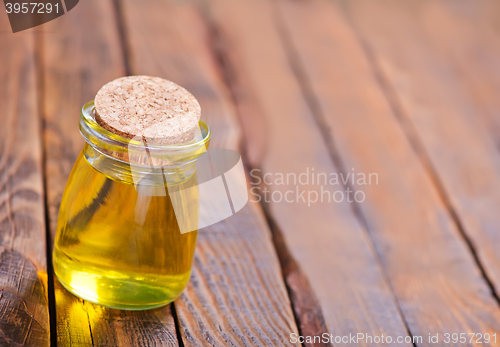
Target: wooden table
406,90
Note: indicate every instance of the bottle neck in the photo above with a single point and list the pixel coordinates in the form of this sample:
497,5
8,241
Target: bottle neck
125,172
135,162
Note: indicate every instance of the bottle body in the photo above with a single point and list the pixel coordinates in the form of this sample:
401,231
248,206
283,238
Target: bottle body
119,245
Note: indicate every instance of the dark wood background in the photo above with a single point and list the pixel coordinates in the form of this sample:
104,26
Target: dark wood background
409,90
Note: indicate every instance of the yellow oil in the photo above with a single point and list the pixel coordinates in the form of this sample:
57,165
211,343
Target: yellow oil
117,247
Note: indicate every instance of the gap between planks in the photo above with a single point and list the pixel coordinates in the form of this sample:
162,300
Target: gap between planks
328,138
459,237
40,76
416,142
307,311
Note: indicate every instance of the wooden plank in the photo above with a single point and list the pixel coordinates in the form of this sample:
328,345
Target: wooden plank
461,43
24,313
236,295
448,99
469,39
82,52
430,267
325,237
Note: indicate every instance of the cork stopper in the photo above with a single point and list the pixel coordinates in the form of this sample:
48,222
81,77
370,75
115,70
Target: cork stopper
153,109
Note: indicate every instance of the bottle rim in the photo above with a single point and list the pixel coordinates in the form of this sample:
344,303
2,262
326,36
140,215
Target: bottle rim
124,149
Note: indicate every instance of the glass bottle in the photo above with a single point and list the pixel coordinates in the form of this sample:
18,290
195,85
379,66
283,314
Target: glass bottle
118,241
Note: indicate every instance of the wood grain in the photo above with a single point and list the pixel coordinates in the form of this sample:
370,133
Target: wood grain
429,265
236,295
326,238
81,52
24,313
